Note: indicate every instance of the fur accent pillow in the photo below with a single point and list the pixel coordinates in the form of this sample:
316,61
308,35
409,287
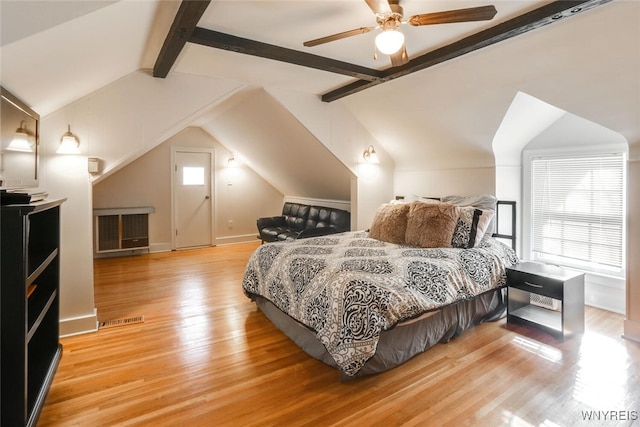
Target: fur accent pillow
390,223
431,225
471,227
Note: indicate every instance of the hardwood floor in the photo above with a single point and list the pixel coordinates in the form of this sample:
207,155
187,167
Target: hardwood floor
206,356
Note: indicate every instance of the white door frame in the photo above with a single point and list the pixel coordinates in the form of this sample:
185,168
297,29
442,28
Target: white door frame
212,174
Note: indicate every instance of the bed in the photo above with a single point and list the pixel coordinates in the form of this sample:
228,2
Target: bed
367,301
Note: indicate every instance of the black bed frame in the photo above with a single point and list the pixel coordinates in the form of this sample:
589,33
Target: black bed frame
499,203
512,236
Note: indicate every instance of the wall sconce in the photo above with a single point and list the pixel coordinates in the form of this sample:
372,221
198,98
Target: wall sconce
232,162
370,155
69,143
20,141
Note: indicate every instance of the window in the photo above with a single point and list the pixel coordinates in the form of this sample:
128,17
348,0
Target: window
577,208
192,176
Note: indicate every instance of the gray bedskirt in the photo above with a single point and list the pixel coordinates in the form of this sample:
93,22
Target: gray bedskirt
401,343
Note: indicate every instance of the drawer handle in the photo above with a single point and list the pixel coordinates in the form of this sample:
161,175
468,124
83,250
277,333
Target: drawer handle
533,284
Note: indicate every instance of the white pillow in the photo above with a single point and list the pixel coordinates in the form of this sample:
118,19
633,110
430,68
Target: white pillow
483,201
471,227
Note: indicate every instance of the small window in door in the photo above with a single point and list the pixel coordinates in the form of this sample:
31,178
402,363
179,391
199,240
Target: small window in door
192,176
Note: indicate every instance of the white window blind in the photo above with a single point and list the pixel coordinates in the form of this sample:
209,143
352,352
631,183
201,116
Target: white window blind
578,211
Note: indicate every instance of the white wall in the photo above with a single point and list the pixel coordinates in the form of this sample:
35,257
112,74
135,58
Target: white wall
66,176
341,132
509,187
147,182
275,144
440,183
132,115
117,123
242,196
632,318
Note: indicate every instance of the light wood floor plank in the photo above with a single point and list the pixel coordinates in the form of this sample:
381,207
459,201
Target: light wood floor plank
205,355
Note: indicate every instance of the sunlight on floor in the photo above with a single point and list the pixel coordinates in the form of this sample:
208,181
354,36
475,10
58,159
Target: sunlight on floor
546,352
512,420
601,380
194,324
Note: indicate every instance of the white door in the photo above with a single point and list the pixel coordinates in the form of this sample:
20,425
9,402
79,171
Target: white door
192,200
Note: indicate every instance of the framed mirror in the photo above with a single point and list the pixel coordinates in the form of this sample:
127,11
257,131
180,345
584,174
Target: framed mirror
19,143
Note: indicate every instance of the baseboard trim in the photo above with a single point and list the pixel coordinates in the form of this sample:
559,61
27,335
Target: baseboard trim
232,240
159,247
79,325
607,295
631,330
124,252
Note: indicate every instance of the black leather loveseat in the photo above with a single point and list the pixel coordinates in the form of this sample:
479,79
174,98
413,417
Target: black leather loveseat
299,221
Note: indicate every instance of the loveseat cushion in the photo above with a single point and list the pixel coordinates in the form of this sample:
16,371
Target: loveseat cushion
269,227
320,216
300,221
295,215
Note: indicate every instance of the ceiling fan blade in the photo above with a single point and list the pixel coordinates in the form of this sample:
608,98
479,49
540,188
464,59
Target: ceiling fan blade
400,57
337,36
482,13
379,6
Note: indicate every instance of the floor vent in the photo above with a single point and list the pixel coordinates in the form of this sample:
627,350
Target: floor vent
122,322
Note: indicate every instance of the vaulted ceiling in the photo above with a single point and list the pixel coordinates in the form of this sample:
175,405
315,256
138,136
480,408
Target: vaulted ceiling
185,29
55,52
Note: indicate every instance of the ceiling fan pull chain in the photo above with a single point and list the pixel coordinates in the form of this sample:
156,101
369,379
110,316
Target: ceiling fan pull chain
375,52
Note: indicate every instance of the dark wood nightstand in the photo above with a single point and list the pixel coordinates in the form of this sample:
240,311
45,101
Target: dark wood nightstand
566,287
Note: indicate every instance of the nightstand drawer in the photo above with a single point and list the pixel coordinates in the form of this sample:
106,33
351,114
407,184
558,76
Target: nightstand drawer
536,284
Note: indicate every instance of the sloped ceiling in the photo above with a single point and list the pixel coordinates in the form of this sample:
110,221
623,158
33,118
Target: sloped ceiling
587,64
42,16
57,65
279,148
517,129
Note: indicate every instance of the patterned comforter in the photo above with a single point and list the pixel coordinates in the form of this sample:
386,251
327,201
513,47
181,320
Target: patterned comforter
348,288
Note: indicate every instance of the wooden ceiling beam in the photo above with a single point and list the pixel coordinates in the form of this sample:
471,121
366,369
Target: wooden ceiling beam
184,23
236,44
547,14
184,29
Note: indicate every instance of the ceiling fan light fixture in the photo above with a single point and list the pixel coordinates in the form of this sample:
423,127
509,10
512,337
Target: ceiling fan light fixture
389,41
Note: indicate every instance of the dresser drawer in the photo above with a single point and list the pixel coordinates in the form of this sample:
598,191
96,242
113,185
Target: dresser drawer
536,284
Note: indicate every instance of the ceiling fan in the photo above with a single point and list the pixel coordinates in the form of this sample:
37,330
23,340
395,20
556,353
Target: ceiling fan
389,16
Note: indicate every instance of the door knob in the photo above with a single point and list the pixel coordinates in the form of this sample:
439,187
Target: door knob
206,197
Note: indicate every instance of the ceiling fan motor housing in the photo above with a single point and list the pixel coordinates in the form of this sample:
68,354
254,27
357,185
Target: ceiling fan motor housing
393,19
389,15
